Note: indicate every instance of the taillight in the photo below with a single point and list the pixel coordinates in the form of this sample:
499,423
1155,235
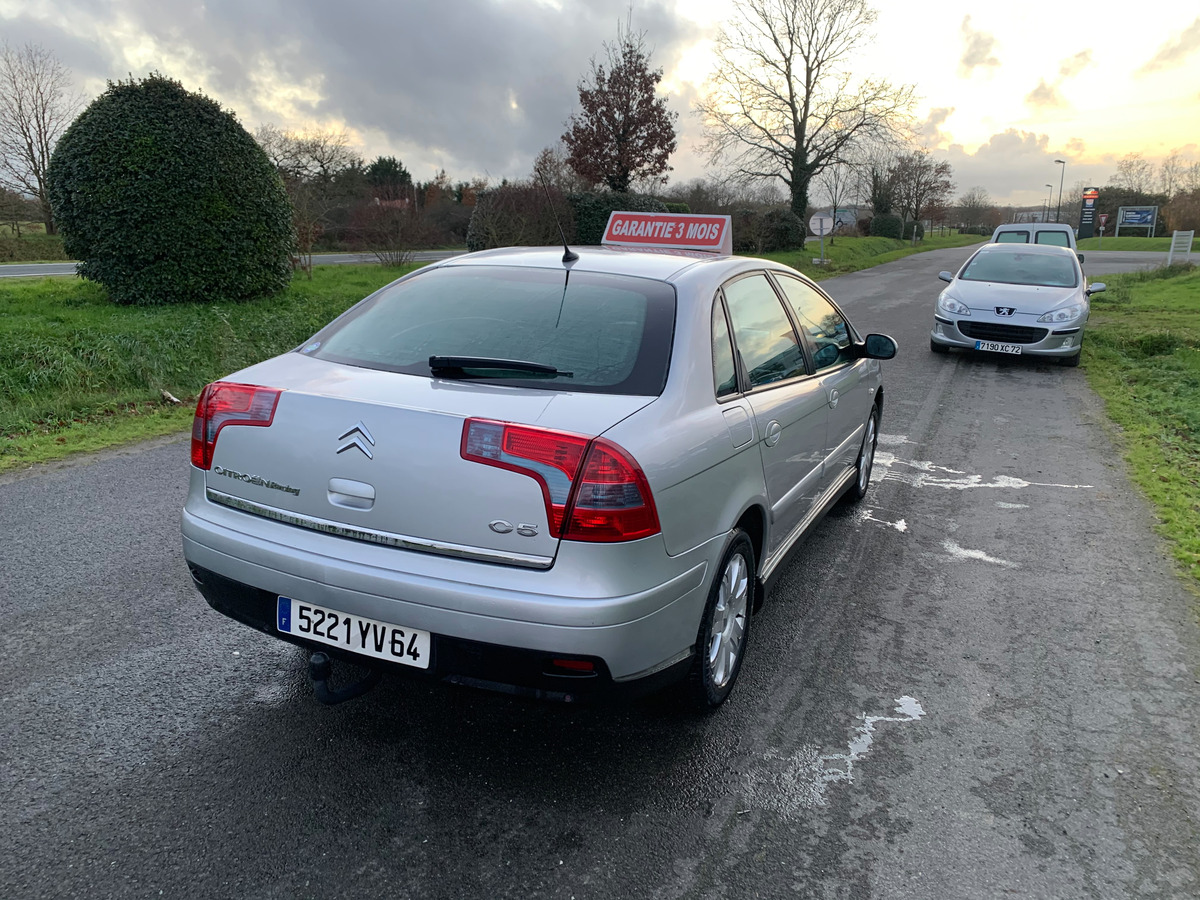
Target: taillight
613,500
226,403
593,490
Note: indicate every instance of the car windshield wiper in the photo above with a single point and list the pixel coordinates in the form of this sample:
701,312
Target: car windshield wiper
456,366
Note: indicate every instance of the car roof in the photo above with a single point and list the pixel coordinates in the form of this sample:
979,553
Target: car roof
1035,226
662,265
1042,249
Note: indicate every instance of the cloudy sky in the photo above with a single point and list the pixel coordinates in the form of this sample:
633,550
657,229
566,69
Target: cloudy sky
477,87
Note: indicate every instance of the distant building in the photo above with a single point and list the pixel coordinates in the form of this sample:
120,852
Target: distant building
845,218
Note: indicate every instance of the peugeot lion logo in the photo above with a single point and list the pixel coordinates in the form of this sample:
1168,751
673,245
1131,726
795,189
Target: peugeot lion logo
1005,310
361,437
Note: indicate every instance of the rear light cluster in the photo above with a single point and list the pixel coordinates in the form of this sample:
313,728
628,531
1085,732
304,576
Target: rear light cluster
594,490
226,403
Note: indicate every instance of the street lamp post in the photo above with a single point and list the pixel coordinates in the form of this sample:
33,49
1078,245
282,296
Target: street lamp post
1062,174
1046,207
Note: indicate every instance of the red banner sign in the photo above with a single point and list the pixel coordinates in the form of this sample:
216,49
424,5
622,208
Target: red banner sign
673,231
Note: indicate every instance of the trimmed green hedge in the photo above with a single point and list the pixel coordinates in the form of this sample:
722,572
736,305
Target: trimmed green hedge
165,198
592,211
755,231
887,226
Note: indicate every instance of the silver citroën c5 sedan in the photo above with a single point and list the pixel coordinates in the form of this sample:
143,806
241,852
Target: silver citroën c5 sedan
511,470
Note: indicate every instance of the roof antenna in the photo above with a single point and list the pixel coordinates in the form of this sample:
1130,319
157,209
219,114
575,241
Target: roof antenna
569,255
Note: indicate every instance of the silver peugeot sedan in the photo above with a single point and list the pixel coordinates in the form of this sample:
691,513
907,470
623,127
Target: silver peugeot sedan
1015,299
520,471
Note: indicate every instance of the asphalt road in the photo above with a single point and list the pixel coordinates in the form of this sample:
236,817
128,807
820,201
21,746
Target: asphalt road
1103,261
38,270
981,685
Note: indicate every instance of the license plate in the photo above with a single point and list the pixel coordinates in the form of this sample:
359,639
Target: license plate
997,348
368,637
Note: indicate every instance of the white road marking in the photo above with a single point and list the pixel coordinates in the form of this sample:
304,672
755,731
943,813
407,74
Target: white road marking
962,553
867,516
889,440
1003,505
888,467
803,779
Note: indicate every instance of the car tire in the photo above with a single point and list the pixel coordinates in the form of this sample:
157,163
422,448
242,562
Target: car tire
1070,361
724,627
935,347
865,463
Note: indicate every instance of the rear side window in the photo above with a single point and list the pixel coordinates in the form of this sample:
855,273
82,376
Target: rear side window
763,332
1012,237
612,333
1055,238
724,368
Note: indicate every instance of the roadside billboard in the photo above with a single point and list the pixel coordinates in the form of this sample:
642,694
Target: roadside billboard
1137,217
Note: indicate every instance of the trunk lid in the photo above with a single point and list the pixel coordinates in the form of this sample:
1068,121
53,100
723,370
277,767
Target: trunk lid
374,455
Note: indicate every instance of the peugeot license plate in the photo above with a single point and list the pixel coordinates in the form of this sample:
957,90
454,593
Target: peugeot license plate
368,637
995,347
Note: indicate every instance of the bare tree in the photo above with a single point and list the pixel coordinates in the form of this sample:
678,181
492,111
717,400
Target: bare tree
552,165
838,181
973,206
1173,172
1189,178
36,106
16,210
1134,173
783,102
310,155
920,182
319,169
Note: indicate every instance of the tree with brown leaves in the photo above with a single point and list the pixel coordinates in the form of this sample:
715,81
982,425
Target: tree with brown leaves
624,131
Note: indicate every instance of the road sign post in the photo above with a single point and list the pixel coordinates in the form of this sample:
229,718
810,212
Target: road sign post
821,225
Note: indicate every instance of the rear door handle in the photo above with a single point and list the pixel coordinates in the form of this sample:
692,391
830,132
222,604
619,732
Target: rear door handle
833,399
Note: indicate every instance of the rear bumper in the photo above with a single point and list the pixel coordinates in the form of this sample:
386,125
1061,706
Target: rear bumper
629,607
459,661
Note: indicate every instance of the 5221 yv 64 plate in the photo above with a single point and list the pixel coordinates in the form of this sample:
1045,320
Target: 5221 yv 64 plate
368,637
995,347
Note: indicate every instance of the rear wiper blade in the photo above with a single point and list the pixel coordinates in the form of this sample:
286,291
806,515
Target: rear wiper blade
455,365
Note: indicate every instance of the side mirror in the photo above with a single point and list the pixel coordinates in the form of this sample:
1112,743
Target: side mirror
1080,255
946,277
878,346
1097,288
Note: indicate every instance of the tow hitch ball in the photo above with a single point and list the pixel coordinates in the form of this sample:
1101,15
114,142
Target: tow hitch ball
320,670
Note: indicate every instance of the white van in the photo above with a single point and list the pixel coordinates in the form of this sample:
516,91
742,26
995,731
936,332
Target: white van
1054,233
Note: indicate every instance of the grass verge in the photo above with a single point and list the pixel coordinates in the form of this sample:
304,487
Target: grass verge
850,254
80,373
1159,244
1142,355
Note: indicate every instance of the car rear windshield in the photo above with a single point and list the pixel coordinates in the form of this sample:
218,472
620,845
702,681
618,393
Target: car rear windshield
1055,238
1022,268
1012,237
603,333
